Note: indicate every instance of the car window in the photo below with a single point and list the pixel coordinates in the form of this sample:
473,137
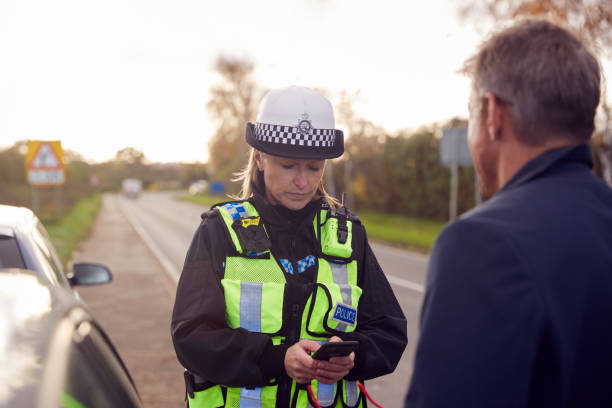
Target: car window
47,250
95,377
10,255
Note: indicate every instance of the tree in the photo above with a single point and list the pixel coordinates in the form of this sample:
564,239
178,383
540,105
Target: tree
131,156
232,104
589,19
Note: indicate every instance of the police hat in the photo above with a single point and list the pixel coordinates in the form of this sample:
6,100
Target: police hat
296,122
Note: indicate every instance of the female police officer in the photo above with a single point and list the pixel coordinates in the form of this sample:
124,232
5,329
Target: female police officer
270,277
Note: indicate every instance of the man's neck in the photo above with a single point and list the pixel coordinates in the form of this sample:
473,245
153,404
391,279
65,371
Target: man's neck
516,154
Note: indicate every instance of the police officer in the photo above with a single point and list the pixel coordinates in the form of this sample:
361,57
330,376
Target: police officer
270,277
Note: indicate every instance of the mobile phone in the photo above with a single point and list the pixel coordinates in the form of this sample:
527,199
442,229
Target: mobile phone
335,349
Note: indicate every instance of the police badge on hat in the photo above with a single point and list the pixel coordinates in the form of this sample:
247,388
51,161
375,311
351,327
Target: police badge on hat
304,125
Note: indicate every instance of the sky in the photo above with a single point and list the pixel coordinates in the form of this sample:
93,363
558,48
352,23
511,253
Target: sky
105,75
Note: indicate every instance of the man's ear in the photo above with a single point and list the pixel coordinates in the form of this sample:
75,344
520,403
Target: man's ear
494,111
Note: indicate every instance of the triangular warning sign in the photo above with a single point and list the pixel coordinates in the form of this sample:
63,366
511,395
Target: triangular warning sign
45,157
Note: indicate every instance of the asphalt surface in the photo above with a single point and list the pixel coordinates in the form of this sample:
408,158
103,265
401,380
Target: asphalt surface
135,308
144,242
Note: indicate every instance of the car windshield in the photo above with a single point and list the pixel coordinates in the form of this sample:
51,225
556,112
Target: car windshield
47,252
10,256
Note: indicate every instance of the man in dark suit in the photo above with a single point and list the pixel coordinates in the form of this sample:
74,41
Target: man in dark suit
518,302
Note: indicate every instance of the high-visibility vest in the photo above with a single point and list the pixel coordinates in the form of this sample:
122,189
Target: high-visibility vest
257,293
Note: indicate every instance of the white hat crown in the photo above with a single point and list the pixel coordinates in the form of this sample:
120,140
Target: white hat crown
291,105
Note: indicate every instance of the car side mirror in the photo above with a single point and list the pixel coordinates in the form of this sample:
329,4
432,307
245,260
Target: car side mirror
84,273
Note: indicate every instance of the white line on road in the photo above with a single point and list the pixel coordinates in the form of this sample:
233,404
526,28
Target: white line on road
405,283
174,274
170,270
415,256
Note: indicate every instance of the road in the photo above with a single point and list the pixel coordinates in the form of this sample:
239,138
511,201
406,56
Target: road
167,226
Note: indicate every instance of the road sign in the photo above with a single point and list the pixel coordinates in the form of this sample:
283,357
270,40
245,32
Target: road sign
454,147
45,163
455,152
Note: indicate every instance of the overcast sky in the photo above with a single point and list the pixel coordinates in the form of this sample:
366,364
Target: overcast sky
100,76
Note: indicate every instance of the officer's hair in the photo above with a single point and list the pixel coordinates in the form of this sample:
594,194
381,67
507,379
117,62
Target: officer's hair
548,80
251,175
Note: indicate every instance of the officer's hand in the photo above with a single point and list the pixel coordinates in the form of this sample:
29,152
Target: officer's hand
298,363
333,370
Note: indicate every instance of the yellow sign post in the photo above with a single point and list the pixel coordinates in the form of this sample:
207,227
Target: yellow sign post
45,163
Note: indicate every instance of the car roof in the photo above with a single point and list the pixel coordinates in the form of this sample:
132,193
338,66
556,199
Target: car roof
15,218
30,311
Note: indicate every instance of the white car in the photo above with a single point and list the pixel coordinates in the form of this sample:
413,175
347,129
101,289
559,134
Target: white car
25,244
131,187
198,187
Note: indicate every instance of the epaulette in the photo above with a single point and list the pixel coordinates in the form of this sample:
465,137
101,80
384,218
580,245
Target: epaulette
226,202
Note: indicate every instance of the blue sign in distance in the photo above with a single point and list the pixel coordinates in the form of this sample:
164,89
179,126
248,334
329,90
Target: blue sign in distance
216,188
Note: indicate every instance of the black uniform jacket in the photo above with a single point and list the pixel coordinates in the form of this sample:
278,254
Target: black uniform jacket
518,300
205,344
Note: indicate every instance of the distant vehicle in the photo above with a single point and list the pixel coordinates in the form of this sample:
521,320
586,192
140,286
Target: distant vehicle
25,244
53,353
198,187
131,187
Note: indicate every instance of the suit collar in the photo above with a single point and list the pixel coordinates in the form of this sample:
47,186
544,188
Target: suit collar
578,154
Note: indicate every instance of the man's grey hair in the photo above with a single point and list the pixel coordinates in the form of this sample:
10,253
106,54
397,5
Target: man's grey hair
547,78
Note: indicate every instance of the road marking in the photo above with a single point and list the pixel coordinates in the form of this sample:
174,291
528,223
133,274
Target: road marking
415,256
417,287
173,273
167,266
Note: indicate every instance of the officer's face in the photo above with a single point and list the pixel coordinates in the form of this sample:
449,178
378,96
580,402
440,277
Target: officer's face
484,151
290,182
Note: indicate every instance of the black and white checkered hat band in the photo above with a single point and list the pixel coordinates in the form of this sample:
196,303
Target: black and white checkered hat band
292,135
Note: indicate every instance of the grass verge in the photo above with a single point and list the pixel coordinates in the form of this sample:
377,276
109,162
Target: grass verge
202,199
402,231
396,230
66,232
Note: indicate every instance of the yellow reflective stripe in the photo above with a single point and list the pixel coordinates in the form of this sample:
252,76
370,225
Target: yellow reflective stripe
231,291
68,401
268,396
352,273
253,270
232,398
239,307
209,398
302,396
272,307
264,397
227,219
340,293
329,239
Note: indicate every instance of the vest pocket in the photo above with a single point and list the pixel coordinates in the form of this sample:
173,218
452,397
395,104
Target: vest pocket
260,397
254,306
329,240
334,308
209,398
